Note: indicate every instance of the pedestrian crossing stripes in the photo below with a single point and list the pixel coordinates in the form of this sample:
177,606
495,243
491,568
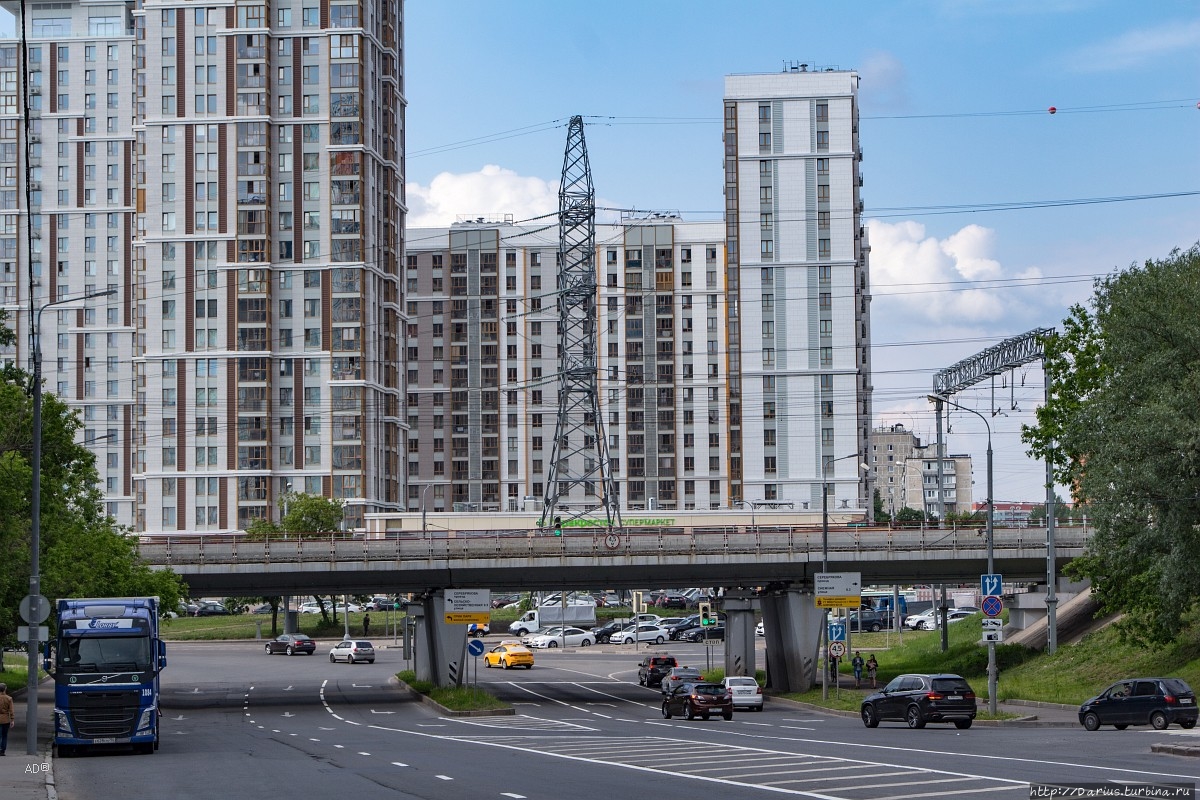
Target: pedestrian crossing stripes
519,722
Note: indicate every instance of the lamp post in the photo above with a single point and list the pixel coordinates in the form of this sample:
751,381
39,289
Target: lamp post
35,544
423,491
825,557
991,502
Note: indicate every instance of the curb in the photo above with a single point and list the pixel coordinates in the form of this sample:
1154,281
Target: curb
426,700
1192,751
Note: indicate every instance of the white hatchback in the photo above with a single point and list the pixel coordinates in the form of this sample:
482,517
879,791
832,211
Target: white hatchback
352,651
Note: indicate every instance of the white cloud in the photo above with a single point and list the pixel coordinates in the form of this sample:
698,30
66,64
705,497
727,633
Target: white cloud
921,273
491,192
1137,47
884,82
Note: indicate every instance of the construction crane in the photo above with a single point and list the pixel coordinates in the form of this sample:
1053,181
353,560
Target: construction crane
579,482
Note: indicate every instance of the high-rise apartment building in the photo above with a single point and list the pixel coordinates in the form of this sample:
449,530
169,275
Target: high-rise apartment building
482,364
245,172
797,288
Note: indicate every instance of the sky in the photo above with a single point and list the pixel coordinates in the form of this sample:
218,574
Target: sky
988,216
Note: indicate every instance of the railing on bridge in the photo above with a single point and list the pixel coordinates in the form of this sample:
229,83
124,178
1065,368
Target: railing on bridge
594,543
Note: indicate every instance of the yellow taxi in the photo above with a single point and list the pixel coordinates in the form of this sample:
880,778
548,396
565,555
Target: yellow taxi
509,656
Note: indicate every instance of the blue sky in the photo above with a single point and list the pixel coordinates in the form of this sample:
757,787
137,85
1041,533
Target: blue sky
954,106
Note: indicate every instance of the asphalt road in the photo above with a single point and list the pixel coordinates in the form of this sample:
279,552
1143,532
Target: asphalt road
238,723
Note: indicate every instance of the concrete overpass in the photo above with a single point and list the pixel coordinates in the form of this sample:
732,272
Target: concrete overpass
771,565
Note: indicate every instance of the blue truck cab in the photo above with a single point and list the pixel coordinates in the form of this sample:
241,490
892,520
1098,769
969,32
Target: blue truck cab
105,661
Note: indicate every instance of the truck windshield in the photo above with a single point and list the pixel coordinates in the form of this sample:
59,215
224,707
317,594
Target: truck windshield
104,654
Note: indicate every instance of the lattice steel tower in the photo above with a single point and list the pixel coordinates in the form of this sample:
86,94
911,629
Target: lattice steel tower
579,480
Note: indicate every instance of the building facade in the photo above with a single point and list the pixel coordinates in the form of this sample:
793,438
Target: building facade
253,199
797,288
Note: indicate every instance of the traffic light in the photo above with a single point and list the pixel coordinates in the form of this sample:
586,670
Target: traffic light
706,617
558,526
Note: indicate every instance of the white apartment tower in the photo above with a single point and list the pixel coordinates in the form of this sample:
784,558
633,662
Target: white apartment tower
798,288
255,213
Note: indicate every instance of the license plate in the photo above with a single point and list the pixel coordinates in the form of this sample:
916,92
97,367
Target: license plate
1185,701
954,697
105,740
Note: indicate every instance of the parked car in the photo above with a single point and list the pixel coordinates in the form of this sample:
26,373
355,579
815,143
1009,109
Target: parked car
672,601
708,634
916,621
379,604
760,629
309,608
501,600
639,633
653,669
265,608
679,676
209,609
676,631
554,637
478,631
934,621
1141,701
918,699
509,655
698,700
352,651
292,643
873,621
745,692
605,632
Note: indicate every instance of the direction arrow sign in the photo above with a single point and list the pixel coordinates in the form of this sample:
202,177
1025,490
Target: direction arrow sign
837,632
475,647
838,583
467,606
991,585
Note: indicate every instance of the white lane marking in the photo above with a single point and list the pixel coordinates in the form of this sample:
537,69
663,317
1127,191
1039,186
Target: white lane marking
361,753
797,728
340,746
443,777
760,724
955,793
513,796
313,740
399,764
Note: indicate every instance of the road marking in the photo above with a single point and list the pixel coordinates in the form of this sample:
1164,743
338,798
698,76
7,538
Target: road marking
513,796
340,746
313,740
361,753
760,724
796,728
399,764
443,777
373,711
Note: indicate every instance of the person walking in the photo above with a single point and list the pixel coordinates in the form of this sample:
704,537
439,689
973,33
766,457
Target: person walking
857,662
6,717
366,624
872,669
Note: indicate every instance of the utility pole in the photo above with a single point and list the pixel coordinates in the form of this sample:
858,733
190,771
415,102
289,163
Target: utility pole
579,459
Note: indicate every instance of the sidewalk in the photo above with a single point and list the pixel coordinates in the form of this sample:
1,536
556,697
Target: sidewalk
26,777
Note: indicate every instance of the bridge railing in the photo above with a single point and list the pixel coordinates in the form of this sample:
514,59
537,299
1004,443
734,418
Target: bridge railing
595,543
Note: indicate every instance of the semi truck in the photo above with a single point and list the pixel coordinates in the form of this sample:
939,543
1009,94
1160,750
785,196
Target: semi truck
106,659
581,615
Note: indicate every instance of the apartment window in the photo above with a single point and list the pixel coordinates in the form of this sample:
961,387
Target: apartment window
822,140
822,166
766,220
764,113
822,112
823,220
765,194
764,168
764,140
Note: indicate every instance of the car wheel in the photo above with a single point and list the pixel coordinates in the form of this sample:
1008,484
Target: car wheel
1188,724
869,717
1159,721
914,717
487,664
659,640
332,658
350,658
1122,726
876,627
666,712
267,649
923,626
1091,722
586,643
704,716
370,661
288,650
963,724
728,715
691,712
552,643
504,663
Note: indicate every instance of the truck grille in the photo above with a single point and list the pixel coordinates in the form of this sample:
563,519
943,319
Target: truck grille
104,714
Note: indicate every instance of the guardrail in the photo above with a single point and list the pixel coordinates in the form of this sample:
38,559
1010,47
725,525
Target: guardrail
597,543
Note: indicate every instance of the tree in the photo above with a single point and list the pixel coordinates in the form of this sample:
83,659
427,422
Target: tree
910,517
1122,428
83,552
881,516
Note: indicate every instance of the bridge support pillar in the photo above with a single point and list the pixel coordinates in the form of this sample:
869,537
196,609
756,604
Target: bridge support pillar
439,648
738,606
792,624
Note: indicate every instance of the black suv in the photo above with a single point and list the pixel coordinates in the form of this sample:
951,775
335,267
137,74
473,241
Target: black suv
1141,701
873,621
917,699
653,669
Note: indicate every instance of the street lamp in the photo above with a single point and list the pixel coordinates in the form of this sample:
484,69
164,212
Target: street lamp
35,544
424,529
991,502
825,554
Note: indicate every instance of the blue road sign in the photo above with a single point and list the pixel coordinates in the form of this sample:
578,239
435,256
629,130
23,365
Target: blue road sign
475,647
991,585
837,631
992,605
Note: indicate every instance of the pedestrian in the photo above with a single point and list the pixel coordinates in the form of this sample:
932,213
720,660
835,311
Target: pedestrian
6,717
366,624
872,669
857,662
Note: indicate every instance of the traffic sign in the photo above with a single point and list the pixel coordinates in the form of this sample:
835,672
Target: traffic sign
838,583
992,623
837,649
992,605
993,636
467,606
34,608
991,585
25,633
837,631
475,647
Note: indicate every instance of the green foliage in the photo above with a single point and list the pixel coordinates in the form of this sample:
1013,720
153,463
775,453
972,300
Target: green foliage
910,517
1122,428
308,514
82,552
881,516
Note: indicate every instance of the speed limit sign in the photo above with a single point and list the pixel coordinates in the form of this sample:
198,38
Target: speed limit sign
837,649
